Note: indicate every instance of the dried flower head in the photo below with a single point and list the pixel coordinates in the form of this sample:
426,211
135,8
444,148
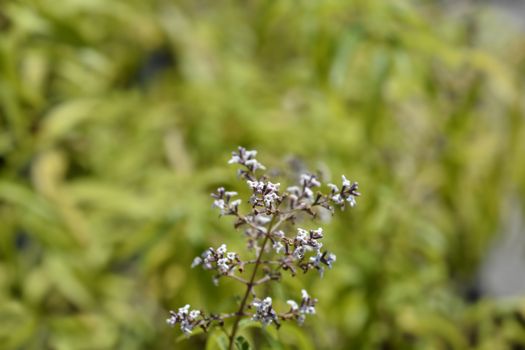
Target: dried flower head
276,247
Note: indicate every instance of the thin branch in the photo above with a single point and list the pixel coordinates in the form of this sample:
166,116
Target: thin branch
249,286
265,262
251,224
237,278
262,280
284,217
232,314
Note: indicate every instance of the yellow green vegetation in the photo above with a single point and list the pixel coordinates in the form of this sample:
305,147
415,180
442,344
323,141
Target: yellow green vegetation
116,120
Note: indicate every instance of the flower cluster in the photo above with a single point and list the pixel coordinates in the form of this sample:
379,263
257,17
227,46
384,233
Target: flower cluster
246,159
264,311
219,259
320,259
265,195
347,193
268,223
306,241
296,249
224,203
307,307
303,195
187,319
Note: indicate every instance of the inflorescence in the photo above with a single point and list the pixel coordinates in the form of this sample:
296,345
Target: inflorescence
268,228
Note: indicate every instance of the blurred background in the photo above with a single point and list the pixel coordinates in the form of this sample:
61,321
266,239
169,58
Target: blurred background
117,119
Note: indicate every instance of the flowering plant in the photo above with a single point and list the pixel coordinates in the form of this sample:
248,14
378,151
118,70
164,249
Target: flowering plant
268,228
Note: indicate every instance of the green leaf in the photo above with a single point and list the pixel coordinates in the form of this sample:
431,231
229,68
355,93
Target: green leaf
248,323
195,332
272,336
296,336
217,340
241,343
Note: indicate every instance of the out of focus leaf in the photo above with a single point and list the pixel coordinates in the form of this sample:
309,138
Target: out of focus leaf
241,343
216,340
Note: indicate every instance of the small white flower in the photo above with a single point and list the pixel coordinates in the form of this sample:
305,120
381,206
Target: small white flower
235,159
208,258
194,314
235,203
316,245
172,320
293,305
346,182
308,192
309,310
186,327
298,253
231,256
330,259
316,260
256,186
254,164
196,262
264,311
273,187
304,294
352,201
278,246
183,311
305,178
219,203
294,190
207,253
316,234
246,158
186,318
333,187
302,236
223,266
279,234
338,199
309,181
222,249
307,307
270,198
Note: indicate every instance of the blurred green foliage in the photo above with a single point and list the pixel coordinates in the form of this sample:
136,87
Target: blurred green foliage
117,119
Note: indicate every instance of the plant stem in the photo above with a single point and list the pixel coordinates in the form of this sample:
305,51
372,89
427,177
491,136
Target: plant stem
249,287
237,278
